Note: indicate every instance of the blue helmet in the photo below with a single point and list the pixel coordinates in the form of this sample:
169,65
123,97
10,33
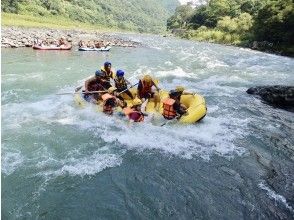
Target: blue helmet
107,63
98,73
120,73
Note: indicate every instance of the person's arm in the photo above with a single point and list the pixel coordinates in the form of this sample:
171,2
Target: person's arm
127,81
87,83
157,88
188,93
177,107
140,87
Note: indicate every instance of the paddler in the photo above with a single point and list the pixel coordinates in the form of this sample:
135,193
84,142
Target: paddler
108,74
111,101
94,84
172,107
135,113
122,84
146,92
181,91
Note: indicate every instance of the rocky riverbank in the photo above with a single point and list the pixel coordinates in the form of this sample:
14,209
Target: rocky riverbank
24,37
278,96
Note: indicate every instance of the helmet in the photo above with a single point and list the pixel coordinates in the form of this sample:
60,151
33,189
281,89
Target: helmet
147,78
120,73
98,73
111,89
180,89
137,101
107,63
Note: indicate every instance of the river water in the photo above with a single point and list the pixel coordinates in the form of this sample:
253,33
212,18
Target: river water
63,162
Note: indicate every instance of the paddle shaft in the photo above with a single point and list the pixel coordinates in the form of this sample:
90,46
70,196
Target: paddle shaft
91,92
127,88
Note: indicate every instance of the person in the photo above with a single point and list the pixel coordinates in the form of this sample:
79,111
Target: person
181,91
108,74
172,107
61,42
135,113
81,43
122,84
94,84
144,90
110,101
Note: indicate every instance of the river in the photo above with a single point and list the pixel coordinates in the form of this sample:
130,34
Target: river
63,162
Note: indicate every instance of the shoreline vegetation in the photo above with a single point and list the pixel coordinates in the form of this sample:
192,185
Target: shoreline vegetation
264,25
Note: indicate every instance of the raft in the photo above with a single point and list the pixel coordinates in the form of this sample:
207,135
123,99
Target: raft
196,106
95,49
62,47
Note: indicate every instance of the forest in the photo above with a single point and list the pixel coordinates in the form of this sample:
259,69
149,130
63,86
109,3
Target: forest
261,24
133,15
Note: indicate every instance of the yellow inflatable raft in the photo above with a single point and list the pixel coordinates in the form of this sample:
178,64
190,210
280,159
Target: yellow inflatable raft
195,104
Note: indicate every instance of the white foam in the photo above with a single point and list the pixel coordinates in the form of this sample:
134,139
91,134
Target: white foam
178,72
278,198
77,163
10,160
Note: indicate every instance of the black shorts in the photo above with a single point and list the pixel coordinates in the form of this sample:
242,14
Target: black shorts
147,95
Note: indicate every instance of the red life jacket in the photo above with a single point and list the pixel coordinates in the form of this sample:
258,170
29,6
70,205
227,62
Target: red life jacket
146,88
108,109
134,115
168,109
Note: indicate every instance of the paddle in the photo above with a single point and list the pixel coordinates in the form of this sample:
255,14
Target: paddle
169,121
127,88
91,92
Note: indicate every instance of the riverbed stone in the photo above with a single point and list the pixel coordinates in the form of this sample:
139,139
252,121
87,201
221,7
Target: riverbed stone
26,36
277,95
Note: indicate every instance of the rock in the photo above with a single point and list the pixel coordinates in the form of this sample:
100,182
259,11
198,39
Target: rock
278,95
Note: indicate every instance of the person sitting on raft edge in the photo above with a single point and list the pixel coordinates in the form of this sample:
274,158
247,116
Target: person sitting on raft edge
144,90
181,91
94,84
135,113
172,107
122,84
111,101
108,74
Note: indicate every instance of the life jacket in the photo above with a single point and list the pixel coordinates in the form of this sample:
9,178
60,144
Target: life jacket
107,76
146,88
168,109
108,109
134,115
120,84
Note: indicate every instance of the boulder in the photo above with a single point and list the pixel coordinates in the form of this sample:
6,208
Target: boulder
278,95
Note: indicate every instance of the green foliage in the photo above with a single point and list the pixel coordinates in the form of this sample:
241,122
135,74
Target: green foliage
10,6
138,15
180,18
275,22
240,22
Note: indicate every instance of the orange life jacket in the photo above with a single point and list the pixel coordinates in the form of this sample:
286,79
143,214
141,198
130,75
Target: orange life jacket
133,114
107,109
168,109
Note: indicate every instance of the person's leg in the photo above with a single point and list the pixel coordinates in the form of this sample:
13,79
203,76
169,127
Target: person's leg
128,92
156,101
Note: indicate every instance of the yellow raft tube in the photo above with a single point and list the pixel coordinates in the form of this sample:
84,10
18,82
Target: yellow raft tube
196,106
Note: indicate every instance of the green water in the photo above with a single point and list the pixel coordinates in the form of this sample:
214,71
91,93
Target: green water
63,162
